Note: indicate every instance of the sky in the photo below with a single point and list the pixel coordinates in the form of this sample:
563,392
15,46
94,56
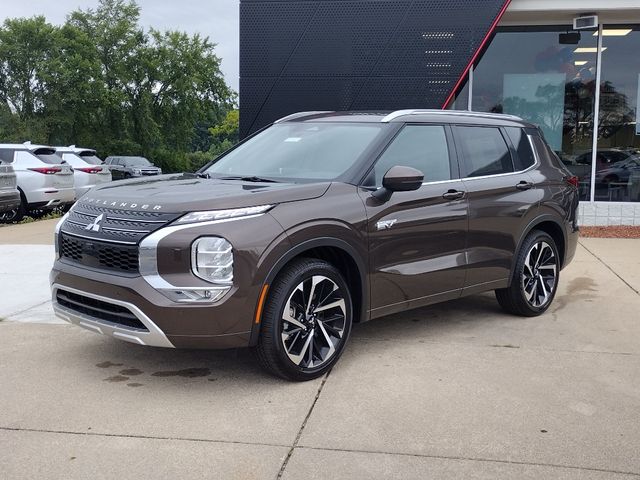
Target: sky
216,19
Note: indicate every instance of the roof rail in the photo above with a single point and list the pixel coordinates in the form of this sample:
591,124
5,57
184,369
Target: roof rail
298,115
465,113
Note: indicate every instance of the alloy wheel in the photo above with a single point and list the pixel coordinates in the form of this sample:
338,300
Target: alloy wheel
540,274
313,322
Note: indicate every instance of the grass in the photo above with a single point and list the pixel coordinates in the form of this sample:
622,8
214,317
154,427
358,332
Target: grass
28,219
48,216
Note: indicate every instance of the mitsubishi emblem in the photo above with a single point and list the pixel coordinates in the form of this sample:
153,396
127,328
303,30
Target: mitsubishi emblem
95,225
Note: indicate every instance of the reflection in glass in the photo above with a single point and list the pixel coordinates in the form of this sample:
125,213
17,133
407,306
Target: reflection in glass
529,73
618,157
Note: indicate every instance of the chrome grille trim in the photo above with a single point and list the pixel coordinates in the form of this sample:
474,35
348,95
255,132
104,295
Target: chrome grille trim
72,234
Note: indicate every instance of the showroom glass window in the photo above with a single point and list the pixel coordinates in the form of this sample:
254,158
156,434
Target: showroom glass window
528,72
617,175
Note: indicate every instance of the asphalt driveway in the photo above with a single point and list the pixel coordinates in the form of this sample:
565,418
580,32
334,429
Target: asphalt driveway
458,390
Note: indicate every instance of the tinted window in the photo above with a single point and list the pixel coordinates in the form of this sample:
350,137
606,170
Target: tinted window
484,151
521,143
423,147
48,155
91,158
6,156
135,162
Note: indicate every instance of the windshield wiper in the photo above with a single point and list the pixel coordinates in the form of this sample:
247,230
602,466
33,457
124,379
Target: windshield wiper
252,178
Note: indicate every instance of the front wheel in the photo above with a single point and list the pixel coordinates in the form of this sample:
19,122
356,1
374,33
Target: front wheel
306,321
536,276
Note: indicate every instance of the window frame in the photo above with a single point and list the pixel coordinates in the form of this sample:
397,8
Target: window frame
454,162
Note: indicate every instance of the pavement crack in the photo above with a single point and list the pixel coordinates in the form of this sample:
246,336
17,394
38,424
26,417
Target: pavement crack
611,269
472,459
143,437
20,312
524,348
304,424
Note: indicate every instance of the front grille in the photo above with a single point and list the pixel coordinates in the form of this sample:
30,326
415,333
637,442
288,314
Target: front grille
107,238
94,254
99,310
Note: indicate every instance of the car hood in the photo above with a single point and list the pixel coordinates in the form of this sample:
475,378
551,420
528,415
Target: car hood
187,192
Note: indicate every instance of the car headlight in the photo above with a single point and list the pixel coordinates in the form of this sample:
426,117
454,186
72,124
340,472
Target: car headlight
212,260
137,171
210,215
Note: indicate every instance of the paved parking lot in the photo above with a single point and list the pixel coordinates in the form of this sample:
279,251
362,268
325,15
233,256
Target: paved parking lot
458,390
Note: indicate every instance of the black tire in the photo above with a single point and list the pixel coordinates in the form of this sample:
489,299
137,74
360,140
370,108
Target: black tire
527,278
17,214
272,353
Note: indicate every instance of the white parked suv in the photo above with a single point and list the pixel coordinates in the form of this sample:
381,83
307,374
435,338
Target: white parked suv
88,169
45,180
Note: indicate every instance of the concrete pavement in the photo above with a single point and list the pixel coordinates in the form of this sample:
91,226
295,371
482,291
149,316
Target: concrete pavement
457,390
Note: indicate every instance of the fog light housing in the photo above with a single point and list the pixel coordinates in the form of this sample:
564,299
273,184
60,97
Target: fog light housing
212,260
195,295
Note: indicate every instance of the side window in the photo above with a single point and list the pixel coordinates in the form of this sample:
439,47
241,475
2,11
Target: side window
484,150
522,145
423,147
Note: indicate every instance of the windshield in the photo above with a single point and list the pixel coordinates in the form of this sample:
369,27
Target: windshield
319,151
136,161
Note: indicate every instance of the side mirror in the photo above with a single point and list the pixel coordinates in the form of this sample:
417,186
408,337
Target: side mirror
399,179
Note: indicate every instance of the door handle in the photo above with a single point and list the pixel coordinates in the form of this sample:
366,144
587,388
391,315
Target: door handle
524,185
453,195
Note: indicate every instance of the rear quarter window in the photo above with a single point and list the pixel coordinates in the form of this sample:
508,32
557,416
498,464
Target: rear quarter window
525,157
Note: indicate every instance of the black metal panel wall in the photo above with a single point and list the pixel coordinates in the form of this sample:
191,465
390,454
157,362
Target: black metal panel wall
354,54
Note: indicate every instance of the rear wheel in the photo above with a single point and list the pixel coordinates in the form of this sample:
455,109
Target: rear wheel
536,277
306,321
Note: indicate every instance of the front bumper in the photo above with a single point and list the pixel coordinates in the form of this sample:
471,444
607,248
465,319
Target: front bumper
225,324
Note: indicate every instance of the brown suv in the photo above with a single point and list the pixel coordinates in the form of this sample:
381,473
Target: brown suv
316,222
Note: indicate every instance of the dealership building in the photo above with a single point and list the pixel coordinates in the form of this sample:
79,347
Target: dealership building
571,67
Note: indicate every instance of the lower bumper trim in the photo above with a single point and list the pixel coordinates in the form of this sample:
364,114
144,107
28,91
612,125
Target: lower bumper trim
152,337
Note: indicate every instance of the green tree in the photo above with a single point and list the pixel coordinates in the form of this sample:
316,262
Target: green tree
117,39
226,134
25,51
101,81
